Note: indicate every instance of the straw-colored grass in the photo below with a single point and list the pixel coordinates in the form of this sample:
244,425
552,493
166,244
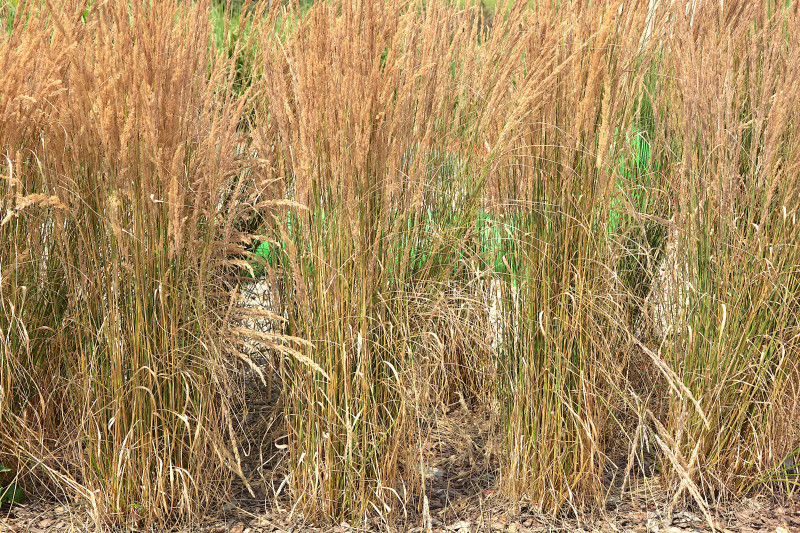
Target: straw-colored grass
124,186
576,217
731,116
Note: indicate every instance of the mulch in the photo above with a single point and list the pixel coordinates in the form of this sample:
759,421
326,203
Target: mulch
758,514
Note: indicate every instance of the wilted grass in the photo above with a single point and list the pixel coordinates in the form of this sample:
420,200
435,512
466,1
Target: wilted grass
511,215
562,314
368,264
122,196
733,343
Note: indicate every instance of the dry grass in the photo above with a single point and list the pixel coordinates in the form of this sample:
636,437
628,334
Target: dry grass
731,119
122,199
458,212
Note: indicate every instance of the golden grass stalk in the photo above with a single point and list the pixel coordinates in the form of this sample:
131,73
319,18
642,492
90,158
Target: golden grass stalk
123,198
732,115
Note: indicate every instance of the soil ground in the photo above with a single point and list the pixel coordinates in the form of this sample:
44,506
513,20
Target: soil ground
751,515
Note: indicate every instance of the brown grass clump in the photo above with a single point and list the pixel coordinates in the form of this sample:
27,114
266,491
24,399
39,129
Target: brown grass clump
123,189
360,107
731,118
